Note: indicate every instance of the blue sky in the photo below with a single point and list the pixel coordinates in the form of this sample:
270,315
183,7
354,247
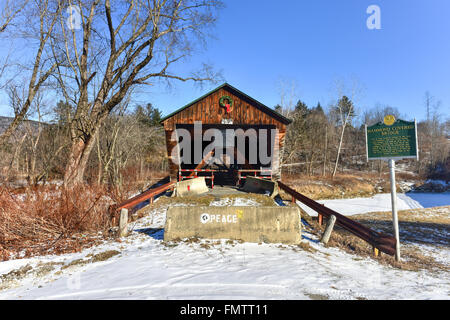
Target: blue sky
312,43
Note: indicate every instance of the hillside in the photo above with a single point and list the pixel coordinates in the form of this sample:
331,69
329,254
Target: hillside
6,121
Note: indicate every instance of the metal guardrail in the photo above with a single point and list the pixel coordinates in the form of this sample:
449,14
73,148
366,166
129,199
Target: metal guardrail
149,194
383,242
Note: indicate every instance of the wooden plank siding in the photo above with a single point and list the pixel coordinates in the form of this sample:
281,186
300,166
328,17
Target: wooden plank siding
209,111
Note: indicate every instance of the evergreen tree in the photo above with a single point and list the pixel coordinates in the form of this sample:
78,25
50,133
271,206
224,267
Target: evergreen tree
347,106
155,116
301,108
148,115
319,108
63,113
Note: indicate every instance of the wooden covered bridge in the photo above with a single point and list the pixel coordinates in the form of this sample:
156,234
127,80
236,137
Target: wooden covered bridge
228,109
225,108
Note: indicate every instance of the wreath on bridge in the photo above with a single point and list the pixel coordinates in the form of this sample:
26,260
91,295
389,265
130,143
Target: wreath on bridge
226,102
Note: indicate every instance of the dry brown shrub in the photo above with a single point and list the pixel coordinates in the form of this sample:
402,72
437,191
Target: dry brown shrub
341,186
38,219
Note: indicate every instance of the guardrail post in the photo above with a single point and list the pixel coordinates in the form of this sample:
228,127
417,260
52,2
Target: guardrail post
328,230
123,223
376,252
387,244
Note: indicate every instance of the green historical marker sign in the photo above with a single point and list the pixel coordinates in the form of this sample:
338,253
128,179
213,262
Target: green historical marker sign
391,139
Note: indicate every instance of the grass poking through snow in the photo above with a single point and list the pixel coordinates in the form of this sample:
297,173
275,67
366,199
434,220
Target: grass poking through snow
417,227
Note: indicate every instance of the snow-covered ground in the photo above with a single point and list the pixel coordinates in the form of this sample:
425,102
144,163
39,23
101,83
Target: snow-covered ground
146,268
382,202
243,202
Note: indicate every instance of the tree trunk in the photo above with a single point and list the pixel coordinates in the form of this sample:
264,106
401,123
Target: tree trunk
325,151
339,150
78,159
311,170
100,164
15,158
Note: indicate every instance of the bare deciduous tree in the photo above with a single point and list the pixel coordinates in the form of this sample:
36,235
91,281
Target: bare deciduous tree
45,15
9,10
345,110
119,47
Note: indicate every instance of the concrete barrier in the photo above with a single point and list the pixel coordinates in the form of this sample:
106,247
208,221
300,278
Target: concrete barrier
191,187
251,224
258,185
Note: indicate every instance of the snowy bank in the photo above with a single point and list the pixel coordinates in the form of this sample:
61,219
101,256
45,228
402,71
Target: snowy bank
382,202
147,268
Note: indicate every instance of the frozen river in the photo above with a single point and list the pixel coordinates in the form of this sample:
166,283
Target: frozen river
382,202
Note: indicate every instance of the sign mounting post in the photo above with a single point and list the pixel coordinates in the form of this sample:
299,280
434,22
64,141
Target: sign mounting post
392,140
394,208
